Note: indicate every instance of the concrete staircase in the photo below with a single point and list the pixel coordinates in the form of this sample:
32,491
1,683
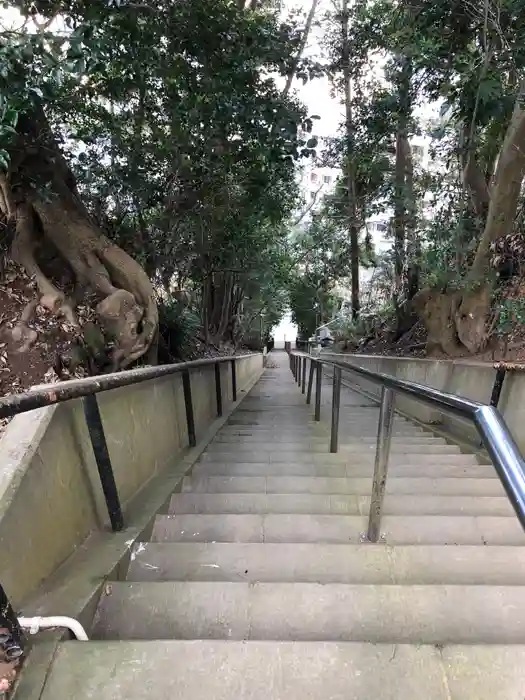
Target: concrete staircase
257,585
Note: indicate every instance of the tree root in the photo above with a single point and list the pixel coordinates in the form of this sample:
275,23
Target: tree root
473,318
126,306
21,333
456,322
437,311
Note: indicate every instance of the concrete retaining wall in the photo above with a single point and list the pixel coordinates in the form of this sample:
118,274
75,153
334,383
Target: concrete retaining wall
472,380
50,494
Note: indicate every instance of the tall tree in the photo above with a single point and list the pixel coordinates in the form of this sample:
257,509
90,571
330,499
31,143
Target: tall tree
353,226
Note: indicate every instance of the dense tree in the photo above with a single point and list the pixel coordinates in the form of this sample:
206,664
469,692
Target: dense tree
147,149
469,60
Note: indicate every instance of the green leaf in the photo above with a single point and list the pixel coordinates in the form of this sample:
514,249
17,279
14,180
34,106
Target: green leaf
80,66
4,160
10,117
312,143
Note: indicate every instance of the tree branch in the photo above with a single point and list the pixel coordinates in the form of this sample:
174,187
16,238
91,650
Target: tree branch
304,39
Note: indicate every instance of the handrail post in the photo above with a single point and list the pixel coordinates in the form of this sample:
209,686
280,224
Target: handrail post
498,386
218,388
310,382
103,461
384,435
298,369
188,402
336,405
234,381
318,385
303,387
14,645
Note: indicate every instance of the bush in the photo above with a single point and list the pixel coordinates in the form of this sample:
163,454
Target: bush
179,331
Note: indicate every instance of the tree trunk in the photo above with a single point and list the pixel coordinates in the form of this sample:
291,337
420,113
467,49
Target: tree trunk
437,311
304,39
353,224
474,312
472,309
413,244
399,219
406,268
221,305
127,310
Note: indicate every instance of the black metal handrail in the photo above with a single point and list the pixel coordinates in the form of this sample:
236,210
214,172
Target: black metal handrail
11,641
89,387
494,432
50,394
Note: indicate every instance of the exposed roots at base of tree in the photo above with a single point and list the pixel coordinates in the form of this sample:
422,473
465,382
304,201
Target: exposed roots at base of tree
457,322
126,312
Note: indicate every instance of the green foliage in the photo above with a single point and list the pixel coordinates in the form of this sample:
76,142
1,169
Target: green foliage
180,138
510,316
179,329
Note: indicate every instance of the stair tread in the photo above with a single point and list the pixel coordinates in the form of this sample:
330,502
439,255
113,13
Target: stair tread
305,456
347,529
326,563
339,470
343,485
222,670
347,504
283,448
426,614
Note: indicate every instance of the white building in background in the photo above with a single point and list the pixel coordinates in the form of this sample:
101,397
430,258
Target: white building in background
316,182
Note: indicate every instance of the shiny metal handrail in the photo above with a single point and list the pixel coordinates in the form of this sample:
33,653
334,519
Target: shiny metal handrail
494,432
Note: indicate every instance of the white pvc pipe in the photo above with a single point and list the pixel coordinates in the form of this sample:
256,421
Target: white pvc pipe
34,624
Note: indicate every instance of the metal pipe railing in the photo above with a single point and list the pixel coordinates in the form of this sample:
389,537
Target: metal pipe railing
11,635
88,388
495,435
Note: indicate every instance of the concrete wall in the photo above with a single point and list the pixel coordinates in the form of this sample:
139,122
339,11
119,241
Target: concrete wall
472,380
50,493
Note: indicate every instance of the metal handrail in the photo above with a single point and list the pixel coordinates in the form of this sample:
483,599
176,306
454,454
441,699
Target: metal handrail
89,387
12,641
494,432
50,394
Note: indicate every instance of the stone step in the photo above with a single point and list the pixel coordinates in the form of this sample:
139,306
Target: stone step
323,447
320,429
306,457
345,504
379,614
350,430
326,563
290,437
223,670
341,470
334,485
338,529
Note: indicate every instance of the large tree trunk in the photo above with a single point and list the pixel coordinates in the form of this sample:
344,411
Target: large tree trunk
472,312
222,307
353,224
406,267
126,310
437,311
